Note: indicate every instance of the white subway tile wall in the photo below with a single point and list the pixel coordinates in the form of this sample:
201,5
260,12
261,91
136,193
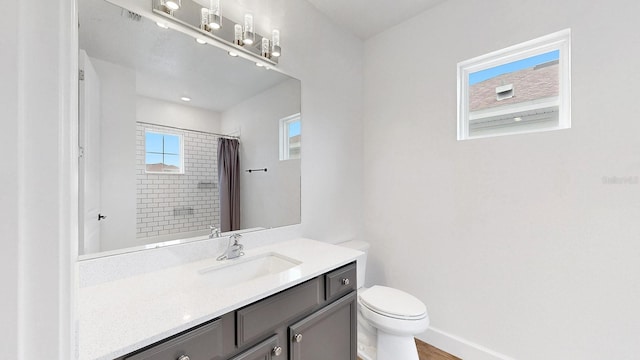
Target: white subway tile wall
178,203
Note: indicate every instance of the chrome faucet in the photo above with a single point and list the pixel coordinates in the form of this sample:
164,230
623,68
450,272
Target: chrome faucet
233,250
215,232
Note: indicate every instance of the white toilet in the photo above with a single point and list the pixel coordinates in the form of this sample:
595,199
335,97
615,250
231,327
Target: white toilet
388,318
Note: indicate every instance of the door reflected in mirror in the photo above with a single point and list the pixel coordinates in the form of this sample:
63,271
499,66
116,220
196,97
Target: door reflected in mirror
157,111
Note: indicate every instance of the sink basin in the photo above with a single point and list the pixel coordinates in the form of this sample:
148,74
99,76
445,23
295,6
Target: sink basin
237,271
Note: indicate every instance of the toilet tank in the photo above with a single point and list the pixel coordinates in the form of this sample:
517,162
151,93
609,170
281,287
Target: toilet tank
361,261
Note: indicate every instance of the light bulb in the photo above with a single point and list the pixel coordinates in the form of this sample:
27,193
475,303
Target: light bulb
249,36
173,4
275,43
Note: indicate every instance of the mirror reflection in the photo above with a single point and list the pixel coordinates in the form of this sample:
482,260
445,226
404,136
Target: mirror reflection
178,140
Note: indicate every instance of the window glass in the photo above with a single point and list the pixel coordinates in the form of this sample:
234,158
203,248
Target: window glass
290,137
163,153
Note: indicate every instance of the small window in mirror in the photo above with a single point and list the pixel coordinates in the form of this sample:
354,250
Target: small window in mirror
163,153
290,137
521,89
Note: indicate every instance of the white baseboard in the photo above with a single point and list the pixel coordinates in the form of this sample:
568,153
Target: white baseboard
460,347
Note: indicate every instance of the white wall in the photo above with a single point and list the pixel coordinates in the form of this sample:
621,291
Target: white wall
36,202
118,149
269,198
171,114
9,184
514,242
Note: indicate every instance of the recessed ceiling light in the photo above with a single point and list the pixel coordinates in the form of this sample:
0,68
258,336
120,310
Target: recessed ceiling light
233,53
162,25
259,64
517,119
201,41
185,98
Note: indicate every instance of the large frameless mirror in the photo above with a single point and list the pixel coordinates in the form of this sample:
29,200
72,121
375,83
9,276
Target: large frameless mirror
178,139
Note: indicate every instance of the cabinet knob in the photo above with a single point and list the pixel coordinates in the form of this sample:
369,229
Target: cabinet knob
297,338
345,281
184,357
277,351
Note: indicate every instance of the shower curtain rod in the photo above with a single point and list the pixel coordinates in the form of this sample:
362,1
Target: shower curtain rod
198,131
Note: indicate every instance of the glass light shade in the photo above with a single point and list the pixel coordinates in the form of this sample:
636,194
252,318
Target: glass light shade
249,35
264,49
275,43
204,20
237,30
215,19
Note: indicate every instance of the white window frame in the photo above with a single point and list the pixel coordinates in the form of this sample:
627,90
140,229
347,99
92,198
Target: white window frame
560,40
164,133
284,136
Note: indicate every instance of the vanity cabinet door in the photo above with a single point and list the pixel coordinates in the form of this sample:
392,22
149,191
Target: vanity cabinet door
329,333
266,350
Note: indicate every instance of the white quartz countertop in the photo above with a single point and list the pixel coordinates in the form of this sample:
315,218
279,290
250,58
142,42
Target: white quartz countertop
121,316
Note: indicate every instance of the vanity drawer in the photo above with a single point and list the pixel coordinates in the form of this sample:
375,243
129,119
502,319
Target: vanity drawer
204,342
258,320
340,281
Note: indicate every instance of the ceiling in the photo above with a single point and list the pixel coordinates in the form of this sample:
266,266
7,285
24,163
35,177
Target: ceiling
366,18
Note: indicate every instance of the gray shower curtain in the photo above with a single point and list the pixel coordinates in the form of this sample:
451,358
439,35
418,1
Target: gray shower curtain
229,179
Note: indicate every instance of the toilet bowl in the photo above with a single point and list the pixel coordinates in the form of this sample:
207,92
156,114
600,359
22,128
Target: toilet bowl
388,318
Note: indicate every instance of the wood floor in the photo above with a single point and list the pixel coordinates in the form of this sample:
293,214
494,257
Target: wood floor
428,352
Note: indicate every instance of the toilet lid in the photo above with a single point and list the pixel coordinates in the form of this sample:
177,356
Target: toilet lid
393,303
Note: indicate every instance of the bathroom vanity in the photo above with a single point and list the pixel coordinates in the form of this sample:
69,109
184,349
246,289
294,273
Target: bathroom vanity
293,300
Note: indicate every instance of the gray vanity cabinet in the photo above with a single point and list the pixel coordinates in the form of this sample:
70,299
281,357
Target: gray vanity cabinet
202,343
329,333
315,320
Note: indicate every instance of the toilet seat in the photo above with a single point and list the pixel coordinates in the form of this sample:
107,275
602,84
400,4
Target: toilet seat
393,303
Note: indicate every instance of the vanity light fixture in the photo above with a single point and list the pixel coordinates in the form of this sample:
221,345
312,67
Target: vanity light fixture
275,43
248,36
244,39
